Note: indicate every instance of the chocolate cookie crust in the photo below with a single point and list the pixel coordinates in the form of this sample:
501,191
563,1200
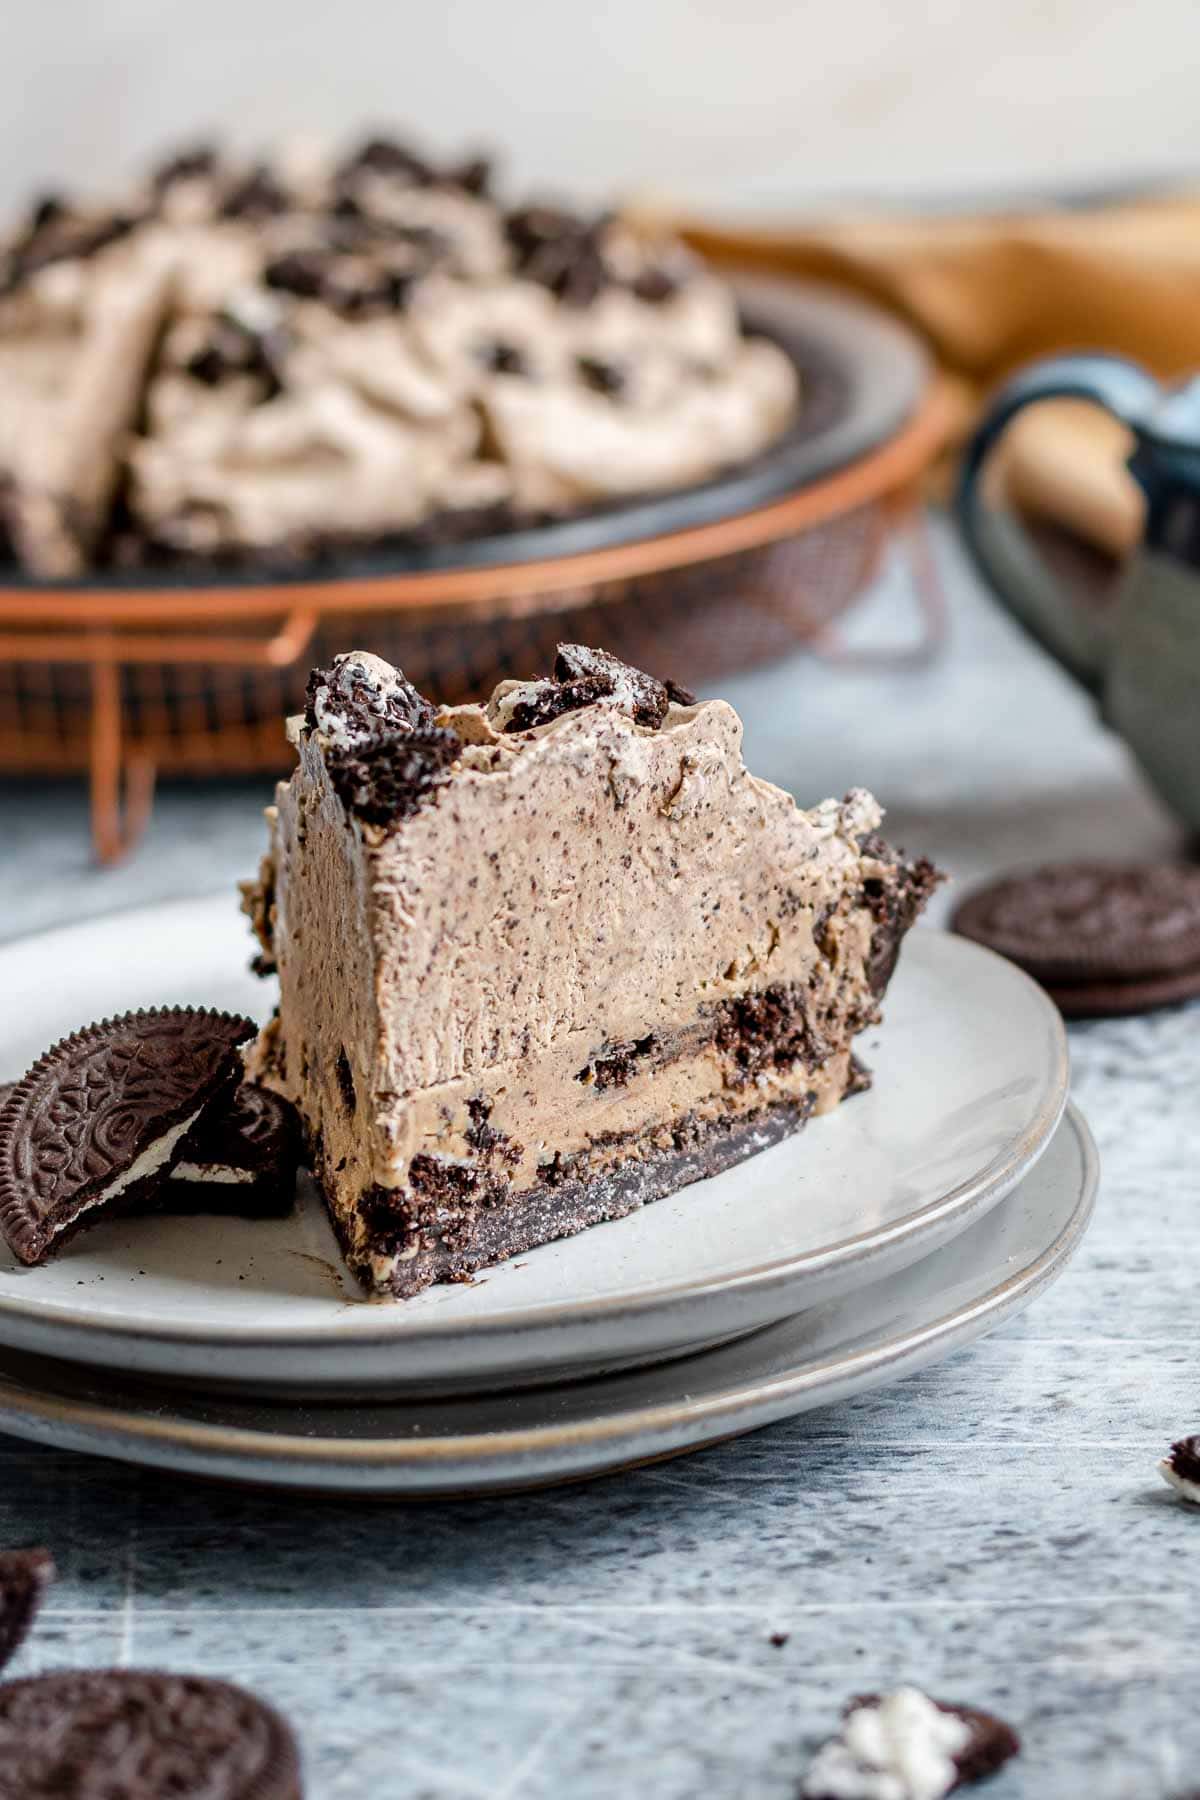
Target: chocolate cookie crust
76,1127
451,1236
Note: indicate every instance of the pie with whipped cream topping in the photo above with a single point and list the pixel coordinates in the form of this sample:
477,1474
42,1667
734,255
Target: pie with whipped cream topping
317,355
545,959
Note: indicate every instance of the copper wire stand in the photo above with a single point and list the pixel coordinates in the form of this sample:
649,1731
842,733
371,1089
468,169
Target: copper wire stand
126,684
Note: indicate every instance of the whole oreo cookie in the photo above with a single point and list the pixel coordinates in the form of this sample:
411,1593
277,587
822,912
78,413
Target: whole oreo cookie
97,1123
1102,938
92,1734
241,1160
24,1577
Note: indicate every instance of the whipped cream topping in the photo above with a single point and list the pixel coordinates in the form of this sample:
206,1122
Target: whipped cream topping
901,1748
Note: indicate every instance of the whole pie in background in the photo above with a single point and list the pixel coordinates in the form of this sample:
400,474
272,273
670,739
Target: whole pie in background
319,352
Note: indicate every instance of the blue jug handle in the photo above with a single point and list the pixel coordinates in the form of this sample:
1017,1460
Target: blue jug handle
1074,634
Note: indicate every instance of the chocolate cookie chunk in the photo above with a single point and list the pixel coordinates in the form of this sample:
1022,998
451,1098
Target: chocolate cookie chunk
644,697
1100,937
387,779
1180,1469
24,1577
97,1123
361,699
582,677
241,1161
882,1734
140,1735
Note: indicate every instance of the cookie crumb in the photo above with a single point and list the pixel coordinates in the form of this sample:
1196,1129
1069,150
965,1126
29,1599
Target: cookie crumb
906,1746
1180,1469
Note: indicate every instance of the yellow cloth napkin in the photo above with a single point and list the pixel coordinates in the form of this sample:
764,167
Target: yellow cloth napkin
989,293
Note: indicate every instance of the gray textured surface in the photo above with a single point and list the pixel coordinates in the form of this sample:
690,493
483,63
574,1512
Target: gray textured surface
992,1529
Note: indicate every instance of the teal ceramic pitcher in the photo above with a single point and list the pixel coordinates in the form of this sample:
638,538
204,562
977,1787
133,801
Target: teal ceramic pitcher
1139,653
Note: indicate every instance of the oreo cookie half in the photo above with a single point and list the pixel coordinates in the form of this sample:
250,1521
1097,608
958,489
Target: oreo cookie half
24,1577
1100,937
143,1736
241,1161
98,1122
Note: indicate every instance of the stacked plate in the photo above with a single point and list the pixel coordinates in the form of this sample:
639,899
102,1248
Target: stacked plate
902,1227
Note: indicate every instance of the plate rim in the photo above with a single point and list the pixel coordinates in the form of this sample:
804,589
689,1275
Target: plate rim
966,1200
901,1351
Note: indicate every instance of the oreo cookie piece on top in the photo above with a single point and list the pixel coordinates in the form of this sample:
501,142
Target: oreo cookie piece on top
97,1123
240,1161
362,698
385,755
583,677
24,1577
142,1736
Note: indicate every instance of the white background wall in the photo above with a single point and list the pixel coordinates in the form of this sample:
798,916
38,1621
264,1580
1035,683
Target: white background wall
747,101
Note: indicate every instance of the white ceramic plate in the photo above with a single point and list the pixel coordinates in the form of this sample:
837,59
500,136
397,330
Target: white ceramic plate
487,1444
971,1076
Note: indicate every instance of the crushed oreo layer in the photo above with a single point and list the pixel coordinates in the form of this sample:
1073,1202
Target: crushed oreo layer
483,1137
771,1029
442,1198
613,1065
